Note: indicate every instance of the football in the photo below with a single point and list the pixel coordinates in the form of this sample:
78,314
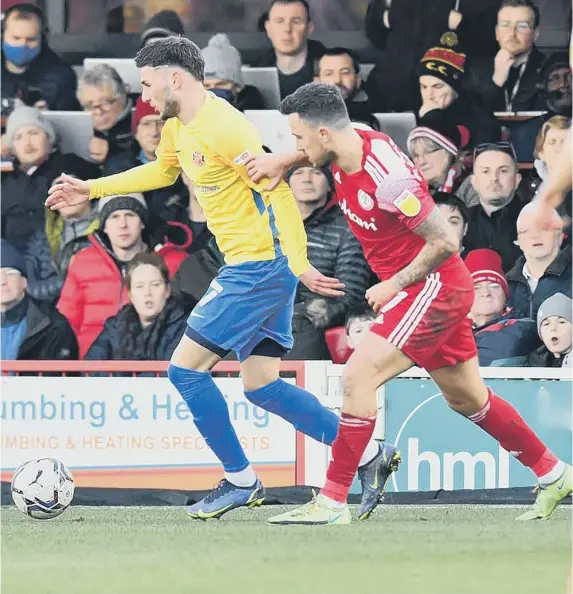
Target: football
42,489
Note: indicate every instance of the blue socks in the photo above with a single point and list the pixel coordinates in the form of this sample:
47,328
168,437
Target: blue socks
299,407
210,414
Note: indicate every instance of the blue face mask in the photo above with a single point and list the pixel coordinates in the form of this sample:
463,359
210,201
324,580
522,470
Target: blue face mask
225,94
20,55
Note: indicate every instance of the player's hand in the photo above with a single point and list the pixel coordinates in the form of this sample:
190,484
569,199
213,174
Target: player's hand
378,295
545,214
98,149
261,166
316,282
502,65
67,191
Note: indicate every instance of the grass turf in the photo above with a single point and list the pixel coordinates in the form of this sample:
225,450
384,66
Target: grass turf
400,550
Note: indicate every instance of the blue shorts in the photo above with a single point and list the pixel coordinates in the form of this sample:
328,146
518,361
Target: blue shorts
244,305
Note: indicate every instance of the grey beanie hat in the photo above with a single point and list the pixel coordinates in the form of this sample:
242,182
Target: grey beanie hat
28,116
557,305
133,202
222,60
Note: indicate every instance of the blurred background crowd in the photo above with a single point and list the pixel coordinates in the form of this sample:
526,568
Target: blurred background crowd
487,86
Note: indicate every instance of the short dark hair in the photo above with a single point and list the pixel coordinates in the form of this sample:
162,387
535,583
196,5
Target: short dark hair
150,259
27,11
523,4
317,103
303,2
338,51
173,51
359,312
453,201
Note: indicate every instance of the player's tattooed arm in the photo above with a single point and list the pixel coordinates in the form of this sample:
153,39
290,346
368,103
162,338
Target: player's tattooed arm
441,243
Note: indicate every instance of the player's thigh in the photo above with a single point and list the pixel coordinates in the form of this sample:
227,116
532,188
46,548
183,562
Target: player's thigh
373,363
191,355
258,371
462,386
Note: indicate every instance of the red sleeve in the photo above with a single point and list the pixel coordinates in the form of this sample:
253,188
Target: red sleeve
400,188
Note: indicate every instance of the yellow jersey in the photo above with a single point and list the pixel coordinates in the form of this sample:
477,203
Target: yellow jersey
249,223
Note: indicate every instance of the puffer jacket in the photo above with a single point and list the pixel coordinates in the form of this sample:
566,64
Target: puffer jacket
23,195
95,287
556,279
156,342
505,337
334,251
47,261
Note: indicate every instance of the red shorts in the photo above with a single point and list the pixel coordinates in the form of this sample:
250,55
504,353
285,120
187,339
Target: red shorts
428,321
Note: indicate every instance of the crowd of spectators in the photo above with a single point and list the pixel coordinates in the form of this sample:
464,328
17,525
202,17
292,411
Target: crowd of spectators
115,280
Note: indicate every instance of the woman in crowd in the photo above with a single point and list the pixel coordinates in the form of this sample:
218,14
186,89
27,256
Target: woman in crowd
151,325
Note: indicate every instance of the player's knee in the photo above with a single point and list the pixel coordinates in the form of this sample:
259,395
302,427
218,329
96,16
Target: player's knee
354,379
464,402
188,382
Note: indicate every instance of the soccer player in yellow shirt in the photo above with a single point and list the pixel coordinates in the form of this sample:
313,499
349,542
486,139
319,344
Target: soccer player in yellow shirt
248,307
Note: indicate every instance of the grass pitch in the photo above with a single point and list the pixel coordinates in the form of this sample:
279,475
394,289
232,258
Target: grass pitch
400,550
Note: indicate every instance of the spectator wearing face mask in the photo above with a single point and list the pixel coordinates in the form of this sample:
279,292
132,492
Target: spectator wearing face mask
32,141
554,326
31,71
224,77
151,325
102,92
288,25
498,333
543,269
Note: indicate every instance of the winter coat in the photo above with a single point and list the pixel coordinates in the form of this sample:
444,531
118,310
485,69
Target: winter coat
496,232
528,98
50,75
556,279
121,144
505,337
333,250
416,26
47,260
95,288
48,334
289,83
23,195
249,97
123,337
543,357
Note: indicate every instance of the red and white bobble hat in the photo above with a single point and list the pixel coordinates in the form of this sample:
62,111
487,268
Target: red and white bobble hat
485,265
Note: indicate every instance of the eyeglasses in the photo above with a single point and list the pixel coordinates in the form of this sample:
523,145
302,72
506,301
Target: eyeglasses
500,147
521,26
104,106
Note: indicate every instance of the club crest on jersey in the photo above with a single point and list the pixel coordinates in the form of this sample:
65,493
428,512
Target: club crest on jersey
198,159
408,204
365,201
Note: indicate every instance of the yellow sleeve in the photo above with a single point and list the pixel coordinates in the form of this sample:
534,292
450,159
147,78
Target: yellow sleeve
162,172
234,149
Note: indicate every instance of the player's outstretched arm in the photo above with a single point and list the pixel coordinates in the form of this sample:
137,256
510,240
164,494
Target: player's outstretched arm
441,243
273,167
560,181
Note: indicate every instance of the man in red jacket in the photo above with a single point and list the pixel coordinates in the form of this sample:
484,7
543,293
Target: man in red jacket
95,287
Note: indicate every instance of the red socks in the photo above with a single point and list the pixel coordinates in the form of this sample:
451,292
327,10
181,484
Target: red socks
354,433
503,423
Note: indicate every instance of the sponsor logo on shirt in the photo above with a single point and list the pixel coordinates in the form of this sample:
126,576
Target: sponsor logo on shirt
368,225
205,189
408,204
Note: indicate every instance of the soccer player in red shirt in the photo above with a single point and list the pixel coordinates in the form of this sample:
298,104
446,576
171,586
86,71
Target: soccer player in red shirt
422,300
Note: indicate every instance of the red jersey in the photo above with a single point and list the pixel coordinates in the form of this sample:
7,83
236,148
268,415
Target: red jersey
383,203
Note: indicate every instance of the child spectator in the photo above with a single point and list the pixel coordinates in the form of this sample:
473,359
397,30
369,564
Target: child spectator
150,327
455,212
554,326
358,323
